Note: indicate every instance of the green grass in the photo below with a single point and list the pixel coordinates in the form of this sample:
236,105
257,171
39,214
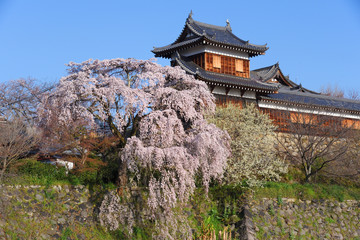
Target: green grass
307,191
271,210
329,220
31,172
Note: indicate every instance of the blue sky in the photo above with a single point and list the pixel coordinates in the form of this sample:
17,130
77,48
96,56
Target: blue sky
316,42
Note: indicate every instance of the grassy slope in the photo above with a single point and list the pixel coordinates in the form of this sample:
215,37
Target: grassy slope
308,191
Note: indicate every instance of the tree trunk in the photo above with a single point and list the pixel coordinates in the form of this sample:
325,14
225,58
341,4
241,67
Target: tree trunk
4,163
2,174
308,174
122,179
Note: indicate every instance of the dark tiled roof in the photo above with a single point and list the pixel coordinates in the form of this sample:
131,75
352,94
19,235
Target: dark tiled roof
167,50
286,94
211,35
296,94
266,73
216,78
222,35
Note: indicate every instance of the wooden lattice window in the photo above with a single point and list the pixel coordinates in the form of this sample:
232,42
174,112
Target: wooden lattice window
303,118
216,61
356,124
239,65
349,123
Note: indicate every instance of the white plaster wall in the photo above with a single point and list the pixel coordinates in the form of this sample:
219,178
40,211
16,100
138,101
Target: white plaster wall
219,90
249,95
234,92
303,110
215,50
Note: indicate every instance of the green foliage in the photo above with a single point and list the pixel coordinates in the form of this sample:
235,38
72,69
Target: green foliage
307,191
140,233
271,210
66,233
109,172
279,223
212,222
30,171
329,220
229,201
42,173
49,194
85,177
252,144
260,233
210,216
212,226
294,174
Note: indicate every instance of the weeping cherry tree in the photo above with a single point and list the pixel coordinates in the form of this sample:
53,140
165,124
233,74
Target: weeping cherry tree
164,142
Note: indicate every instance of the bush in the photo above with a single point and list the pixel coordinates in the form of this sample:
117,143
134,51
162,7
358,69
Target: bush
44,173
109,172
252,143
33,167
35,172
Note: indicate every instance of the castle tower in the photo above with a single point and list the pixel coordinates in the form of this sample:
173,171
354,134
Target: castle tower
218,57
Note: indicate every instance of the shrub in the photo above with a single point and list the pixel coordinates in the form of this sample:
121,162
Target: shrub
252,143
45,173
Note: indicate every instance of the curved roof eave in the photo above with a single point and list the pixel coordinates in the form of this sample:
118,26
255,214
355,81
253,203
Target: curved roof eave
174,47
314,101
215,35
273,71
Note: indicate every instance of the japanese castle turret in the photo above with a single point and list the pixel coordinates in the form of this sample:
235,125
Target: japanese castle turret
216,56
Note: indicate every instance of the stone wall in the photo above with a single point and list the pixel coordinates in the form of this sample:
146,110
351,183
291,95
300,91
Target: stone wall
295,219
37,212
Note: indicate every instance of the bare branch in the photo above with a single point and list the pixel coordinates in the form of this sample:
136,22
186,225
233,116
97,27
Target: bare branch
16,140
316,141
20,98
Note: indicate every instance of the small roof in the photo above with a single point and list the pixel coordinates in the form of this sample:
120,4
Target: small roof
196,33
222,79
266,73
293,96
274,72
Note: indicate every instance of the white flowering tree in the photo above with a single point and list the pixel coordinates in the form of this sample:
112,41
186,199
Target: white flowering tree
252,135
164,142
20,98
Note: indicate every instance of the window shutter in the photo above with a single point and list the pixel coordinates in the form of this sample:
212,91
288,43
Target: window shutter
239,65
216,61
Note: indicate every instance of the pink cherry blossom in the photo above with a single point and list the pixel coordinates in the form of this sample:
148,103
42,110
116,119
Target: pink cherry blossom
157,113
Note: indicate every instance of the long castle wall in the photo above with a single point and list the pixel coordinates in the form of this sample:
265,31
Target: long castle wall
29,212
